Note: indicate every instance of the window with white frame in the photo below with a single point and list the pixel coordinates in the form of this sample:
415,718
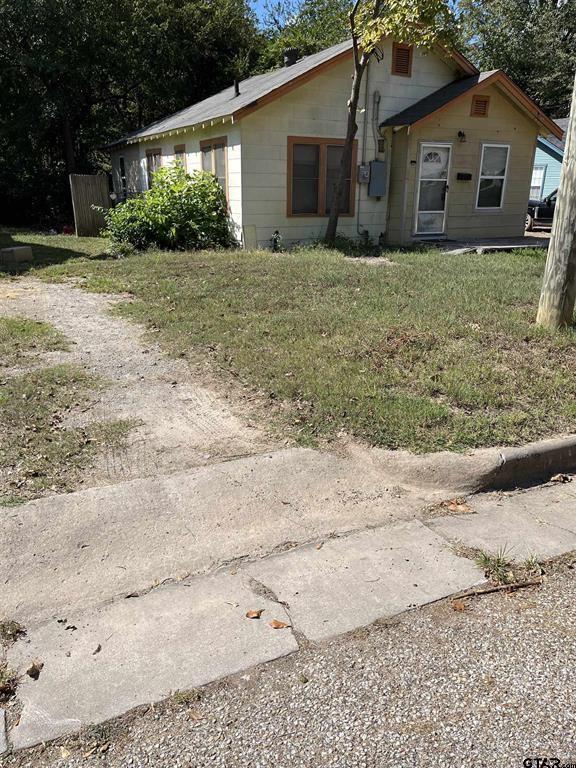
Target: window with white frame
537,183
493,169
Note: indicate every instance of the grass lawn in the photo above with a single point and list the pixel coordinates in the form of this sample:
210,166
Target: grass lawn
434,352
21,338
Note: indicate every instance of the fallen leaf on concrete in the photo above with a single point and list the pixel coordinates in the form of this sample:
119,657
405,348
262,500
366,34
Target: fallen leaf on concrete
255,614
64,753
34,669
457,506
97,650
104,748
459,605
90,752
276,624
319,546
561,478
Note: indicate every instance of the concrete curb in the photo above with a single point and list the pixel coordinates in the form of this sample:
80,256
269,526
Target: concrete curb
486,469
531,463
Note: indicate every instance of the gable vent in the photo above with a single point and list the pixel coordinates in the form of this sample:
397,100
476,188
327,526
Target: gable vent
480,106
402,59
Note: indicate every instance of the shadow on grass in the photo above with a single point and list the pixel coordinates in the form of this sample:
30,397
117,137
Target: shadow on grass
50,249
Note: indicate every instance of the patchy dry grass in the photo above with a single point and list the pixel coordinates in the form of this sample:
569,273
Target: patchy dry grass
8,682
10,631
436,352
112,435
22,339
37,452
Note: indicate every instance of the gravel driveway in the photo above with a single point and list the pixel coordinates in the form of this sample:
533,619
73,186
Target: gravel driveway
491,685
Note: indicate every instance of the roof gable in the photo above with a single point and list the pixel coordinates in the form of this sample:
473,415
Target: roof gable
256,92
425,108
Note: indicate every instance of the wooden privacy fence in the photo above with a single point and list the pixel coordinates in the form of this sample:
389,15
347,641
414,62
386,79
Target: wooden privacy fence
88,191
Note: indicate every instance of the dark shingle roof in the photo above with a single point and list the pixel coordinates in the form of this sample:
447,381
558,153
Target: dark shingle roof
559,143
226,103
436,100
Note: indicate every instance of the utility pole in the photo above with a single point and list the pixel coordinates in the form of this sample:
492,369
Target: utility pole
556,309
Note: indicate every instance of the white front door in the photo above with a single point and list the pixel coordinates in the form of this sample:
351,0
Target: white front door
432,190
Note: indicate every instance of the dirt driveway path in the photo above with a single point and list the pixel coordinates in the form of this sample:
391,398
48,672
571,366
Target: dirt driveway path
139,583
179,424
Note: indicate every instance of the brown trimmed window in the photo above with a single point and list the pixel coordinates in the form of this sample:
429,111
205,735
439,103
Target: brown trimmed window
180,155
153,162
480,106
214,159
313,167
402,59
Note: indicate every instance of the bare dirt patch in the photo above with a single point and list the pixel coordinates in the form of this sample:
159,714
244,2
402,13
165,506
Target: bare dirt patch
176,422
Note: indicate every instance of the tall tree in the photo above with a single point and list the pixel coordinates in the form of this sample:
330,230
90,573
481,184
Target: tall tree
415,22
533,40
559,286
77,73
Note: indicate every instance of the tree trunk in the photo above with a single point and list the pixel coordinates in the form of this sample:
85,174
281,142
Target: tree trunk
558,295
69,151
351,131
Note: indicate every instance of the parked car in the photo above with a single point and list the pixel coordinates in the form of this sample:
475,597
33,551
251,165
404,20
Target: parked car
541,212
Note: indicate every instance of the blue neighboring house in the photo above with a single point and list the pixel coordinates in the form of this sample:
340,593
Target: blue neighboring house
547,164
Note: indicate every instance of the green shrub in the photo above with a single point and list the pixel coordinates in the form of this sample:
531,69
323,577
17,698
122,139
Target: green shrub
180,211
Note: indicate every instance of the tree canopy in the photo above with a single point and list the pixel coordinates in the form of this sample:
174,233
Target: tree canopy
533,41
75,74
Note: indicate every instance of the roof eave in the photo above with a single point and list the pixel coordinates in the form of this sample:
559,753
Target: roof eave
499,77
285,88
552,148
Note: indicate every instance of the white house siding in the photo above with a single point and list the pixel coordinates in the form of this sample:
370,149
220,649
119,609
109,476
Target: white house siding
135,159
318,109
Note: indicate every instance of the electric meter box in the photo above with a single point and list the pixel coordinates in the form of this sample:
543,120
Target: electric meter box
363,173
378,185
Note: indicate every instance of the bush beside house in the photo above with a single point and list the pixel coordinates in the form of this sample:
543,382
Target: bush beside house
179,211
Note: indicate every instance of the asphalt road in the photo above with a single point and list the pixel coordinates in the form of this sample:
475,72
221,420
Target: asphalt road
489,685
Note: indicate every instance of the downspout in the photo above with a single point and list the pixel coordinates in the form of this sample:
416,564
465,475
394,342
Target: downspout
405,192
388,138
361,232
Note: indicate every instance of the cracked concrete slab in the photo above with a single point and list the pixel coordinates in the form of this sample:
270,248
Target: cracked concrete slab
545,529
351,582
552,504
68,552
100,664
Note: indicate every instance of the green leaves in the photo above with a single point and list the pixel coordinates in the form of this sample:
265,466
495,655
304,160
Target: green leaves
179,211
415,22
534,41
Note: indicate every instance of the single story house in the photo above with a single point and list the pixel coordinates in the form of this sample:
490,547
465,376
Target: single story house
548,163
443,150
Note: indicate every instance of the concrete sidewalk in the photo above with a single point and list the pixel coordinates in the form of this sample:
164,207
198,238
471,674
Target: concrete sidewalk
102,660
